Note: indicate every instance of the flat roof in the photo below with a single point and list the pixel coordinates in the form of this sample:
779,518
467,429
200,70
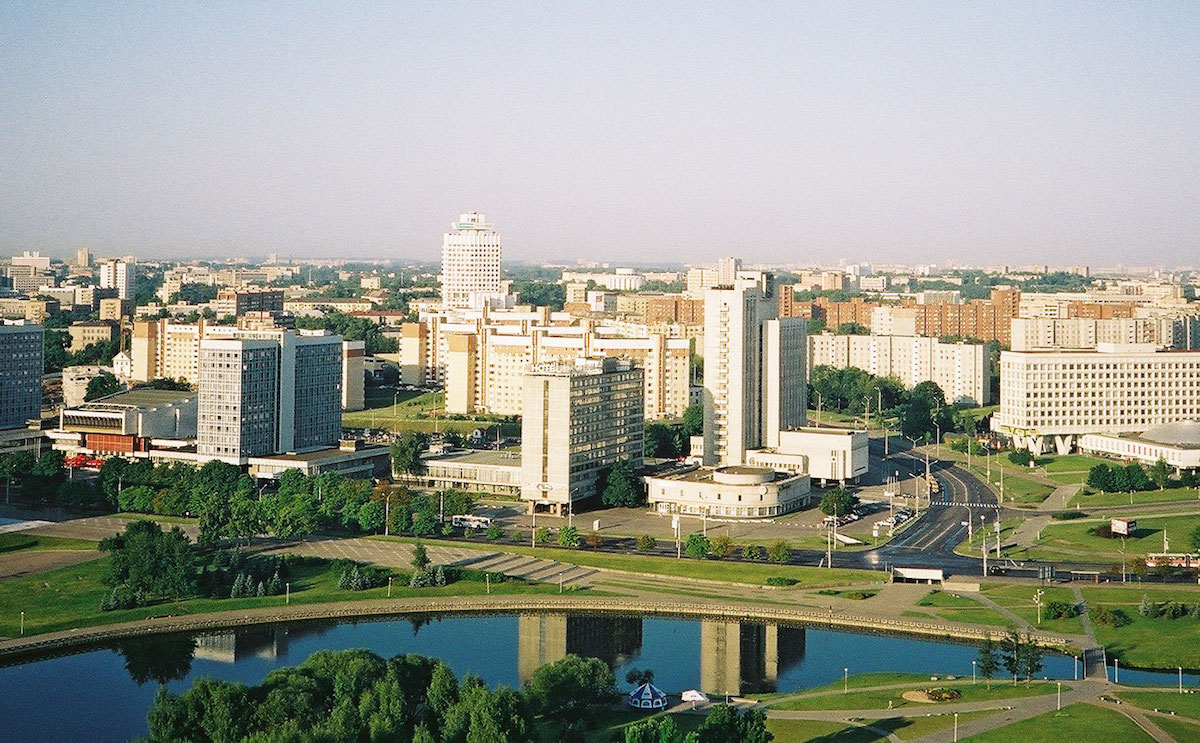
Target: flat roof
142,398
322,454
510,457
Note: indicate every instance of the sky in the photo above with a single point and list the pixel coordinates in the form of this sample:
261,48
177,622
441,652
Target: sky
791,132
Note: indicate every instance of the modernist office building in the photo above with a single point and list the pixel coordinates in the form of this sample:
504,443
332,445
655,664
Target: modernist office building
471,264
20,373
265,392
580,418
1050,398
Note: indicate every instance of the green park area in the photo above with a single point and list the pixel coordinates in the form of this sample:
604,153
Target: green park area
1086,540
1085,499
1187,705
832,696
413,410
1057,613
1146,641
954,607
710,569
71,597
1073,722
1018,489
19,541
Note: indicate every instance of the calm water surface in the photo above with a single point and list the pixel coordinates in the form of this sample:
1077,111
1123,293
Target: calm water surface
103,694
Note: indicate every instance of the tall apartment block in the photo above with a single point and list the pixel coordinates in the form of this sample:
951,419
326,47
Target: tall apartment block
754,371
118,274
471,264
20,373
580,419
267,392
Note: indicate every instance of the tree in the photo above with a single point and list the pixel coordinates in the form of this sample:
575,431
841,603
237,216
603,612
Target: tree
723,546
1160,473
852,328
245,518
725,724
1011,654
101,385
406,453
150,562
639,676
838,502
1100,477
647,543
1020,457
693,421
568,537
420,558
620,486
989,661
370,516
779,552
571,688
754,552
662,440
1194,539
697,546
654,730
1030,657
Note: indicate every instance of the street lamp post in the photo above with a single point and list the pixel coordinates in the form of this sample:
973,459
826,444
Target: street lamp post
1037,599
973,671
22,624
389,586
287,599
955,726
845,680
1059,695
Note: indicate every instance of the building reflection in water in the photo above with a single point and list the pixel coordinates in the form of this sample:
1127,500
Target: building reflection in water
270,643
735,657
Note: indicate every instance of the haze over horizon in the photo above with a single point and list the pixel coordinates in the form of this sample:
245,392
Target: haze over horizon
895,133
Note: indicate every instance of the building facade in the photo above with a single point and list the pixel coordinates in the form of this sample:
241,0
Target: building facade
21,366
1048,399
580,418
754,370
962,370
471,264
119,274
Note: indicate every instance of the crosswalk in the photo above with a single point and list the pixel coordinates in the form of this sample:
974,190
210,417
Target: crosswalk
968,505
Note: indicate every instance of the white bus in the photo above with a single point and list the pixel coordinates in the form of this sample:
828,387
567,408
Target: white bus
471,522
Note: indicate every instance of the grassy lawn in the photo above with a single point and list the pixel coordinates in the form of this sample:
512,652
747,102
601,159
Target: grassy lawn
14,541
1075,536
799,731
1170,495
955,608
1178,729
719,570
1068,478
1148,642
70,597
1071,723
919,727
857,681
1069,463
1019,600
1017,489
970,547
880,698
414,411
1187,705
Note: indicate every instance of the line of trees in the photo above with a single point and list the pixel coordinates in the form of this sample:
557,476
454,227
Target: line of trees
922,411
1018,655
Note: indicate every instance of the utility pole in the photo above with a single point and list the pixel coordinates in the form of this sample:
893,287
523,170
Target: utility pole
983,549
997,533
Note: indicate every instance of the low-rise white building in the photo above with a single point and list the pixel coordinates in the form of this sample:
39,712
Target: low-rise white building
1178,444
737,491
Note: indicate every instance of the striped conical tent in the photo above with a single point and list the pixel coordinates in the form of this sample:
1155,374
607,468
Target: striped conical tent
647,696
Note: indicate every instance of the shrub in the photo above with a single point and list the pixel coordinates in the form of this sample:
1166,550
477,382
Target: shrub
494,532
780,552
1068,515
646,542
1104,531
1059,610
516,536
593,539
754,552
1020,457
1108,617
775,580
942,694
568,537
543,536
468,532
120,598
697,546
723,546
447,530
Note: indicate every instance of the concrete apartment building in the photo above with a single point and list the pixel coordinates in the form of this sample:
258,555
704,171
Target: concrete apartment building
471,256
962,370
481,357
580,419
1173,331
21,366
84,334
622,279
702,278
1048,399
267,392
754,370
119,274
240,302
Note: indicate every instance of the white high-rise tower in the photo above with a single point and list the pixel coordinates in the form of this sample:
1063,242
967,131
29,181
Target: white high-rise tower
471,264
754,372
118,274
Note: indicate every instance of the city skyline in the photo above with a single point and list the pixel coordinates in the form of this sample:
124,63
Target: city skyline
794,135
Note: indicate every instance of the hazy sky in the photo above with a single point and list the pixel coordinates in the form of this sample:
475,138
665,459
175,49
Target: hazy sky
797,131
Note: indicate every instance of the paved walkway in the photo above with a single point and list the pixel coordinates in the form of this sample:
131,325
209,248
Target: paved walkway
1058,500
